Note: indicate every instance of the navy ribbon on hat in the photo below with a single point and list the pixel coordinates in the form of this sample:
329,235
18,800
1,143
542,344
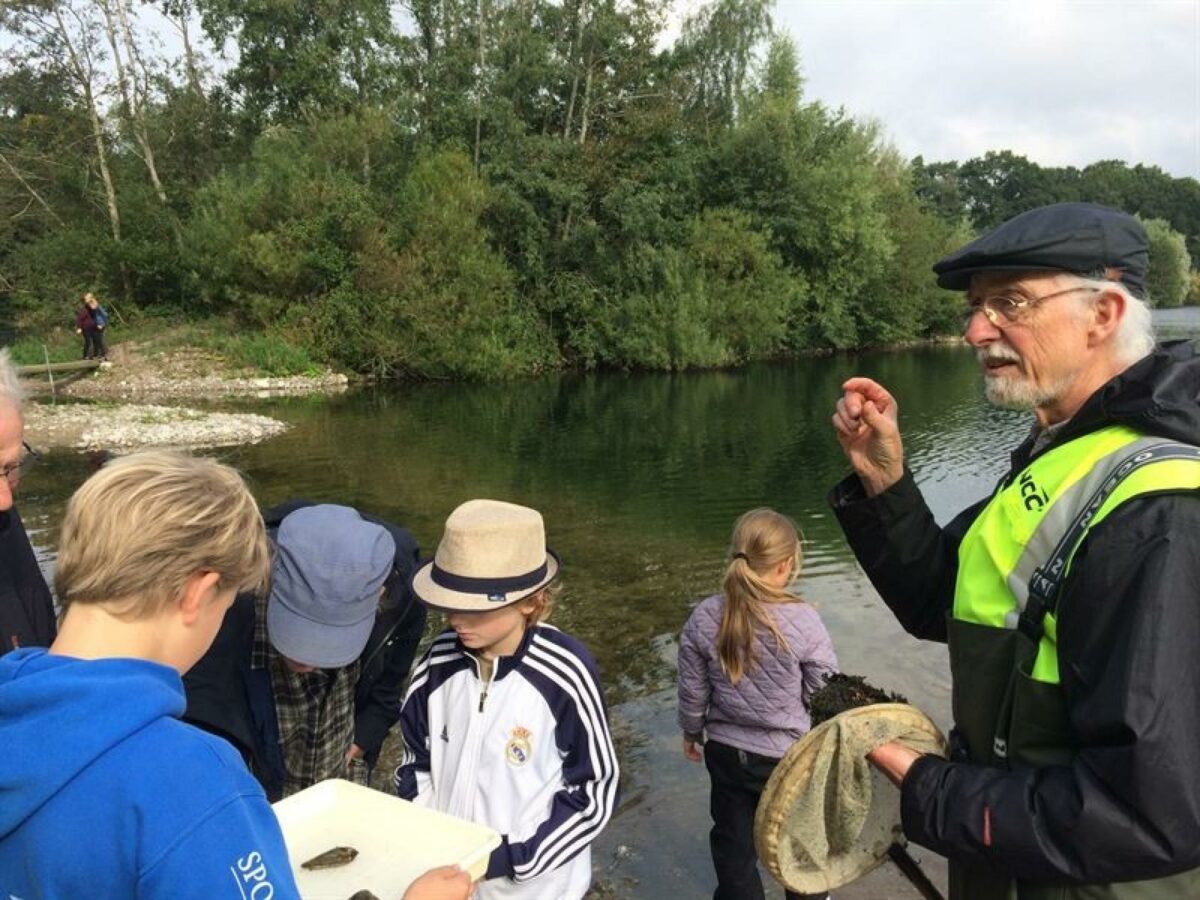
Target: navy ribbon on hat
489,586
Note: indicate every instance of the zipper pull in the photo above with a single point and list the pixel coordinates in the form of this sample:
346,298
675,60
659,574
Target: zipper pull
485,678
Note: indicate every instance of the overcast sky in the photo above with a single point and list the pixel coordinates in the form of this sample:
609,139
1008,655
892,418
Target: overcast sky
1062,82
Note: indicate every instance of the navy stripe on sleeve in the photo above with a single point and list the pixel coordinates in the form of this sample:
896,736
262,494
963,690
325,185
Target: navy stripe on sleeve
560,668
435,667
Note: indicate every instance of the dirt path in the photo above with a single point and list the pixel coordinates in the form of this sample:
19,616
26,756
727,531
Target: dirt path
134,373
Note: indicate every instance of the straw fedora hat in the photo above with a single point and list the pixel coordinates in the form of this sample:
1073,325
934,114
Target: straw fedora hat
492,554
826,816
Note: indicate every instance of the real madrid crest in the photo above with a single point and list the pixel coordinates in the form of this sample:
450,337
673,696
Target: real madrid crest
519,748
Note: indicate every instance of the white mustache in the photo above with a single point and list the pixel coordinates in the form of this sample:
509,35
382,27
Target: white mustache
996,353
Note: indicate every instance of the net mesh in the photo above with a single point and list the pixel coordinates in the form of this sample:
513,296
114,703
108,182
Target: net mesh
827,816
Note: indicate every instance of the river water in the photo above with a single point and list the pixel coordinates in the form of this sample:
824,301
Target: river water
639,478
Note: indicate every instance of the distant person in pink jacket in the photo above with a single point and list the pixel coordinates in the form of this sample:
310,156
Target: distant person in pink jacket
749,659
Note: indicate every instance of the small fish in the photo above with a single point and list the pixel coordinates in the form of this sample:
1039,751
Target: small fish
331,859
363,895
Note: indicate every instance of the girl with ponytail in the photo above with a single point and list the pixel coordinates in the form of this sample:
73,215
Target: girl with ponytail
749,659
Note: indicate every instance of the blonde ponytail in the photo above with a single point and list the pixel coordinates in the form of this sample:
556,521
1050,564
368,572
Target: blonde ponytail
762,539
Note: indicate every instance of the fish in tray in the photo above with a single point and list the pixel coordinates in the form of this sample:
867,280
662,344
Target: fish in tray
331,859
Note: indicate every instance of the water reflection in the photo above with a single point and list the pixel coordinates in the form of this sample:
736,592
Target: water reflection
639,477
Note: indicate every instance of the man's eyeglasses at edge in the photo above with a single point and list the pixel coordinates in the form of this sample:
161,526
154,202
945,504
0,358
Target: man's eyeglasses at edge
13,471
1009,308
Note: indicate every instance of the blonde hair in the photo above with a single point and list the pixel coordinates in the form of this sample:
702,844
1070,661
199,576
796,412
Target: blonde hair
140,527
545,604
762,539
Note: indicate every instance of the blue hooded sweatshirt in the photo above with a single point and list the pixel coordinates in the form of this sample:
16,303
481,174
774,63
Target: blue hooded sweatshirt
104,793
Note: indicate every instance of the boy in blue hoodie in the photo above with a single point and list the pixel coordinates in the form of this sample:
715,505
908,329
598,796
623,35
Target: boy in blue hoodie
104,792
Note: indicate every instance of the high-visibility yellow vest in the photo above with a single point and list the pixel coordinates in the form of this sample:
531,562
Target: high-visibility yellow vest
1017,552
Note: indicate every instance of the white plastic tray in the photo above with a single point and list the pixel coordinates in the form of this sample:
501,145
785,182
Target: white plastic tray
396,840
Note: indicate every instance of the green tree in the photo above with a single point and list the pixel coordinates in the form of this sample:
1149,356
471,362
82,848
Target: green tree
937,186
446,303
749,293
1168,272
806,177
902,301
305,57
717,51
1003,184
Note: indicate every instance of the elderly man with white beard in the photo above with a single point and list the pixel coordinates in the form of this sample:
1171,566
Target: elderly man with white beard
1069,598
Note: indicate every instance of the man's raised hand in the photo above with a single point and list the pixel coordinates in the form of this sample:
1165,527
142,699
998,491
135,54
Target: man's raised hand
866,423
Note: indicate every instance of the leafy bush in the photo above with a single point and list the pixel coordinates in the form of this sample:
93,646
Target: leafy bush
425,295
1168,271
63,264
749,293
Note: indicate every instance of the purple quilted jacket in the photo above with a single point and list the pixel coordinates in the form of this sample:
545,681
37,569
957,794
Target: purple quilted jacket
768,708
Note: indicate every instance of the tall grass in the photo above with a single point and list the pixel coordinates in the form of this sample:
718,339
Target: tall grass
267,353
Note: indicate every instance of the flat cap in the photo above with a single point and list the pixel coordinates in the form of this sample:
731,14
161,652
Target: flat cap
328,567
1084,238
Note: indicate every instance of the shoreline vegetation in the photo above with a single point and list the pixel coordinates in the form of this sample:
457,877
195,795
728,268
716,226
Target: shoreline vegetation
155,388
489,191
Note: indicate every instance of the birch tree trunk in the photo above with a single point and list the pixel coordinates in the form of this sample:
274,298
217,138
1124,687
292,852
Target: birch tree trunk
79,59
83,75
189,55
576,42
132,101
479,14
587,98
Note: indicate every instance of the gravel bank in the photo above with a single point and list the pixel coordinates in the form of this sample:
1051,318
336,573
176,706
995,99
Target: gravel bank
128,427
117,383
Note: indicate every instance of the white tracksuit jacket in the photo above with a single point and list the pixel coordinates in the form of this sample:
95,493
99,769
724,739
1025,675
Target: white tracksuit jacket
528,754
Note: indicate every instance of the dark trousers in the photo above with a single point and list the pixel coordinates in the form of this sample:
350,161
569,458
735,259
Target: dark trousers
738,778
93,344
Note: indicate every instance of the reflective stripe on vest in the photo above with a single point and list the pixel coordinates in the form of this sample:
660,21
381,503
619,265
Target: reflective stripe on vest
1025,537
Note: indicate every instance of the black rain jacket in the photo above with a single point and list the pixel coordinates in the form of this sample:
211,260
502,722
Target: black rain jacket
26,608
1128,806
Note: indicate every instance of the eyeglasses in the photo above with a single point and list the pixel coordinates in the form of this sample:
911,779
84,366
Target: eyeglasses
1007,309
13,471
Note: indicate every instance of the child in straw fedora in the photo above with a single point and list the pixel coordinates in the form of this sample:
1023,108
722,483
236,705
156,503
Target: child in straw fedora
749,659
504,722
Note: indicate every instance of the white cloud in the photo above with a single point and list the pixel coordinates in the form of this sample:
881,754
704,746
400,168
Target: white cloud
1064,83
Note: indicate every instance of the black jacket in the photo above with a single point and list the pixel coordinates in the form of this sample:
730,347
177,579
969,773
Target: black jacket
227,698
26,608
1128,806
